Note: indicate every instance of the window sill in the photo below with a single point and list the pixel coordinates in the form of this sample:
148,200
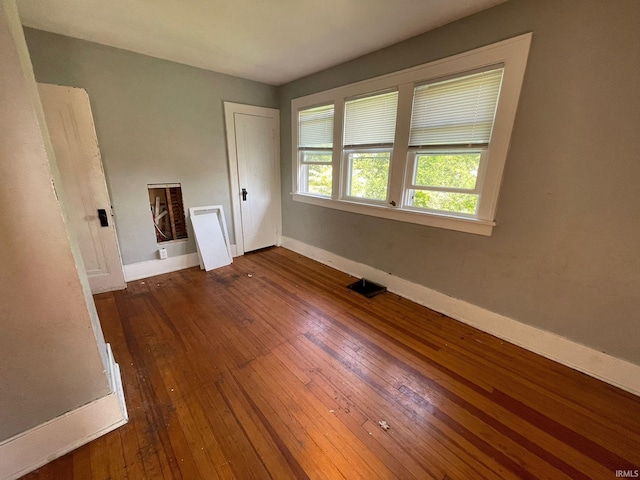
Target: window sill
460,224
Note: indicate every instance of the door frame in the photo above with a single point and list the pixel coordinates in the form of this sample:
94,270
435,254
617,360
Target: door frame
230,109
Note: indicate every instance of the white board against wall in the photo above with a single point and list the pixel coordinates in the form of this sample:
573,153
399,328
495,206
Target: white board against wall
212,238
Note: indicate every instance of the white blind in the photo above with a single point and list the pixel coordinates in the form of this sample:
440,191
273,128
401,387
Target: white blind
315,127
455,112
371,120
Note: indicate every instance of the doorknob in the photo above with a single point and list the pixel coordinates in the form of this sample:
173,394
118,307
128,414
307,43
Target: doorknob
102,215
244,194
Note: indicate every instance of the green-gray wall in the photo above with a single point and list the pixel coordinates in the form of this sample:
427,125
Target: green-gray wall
156,121
565,255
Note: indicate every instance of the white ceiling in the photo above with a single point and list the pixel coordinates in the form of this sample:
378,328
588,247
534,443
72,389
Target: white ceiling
271,41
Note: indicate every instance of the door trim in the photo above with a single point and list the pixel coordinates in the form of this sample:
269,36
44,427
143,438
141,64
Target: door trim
230,109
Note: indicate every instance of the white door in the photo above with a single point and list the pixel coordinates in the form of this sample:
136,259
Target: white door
254,141
70,124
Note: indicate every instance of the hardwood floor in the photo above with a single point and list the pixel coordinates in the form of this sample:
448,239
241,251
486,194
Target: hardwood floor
271,368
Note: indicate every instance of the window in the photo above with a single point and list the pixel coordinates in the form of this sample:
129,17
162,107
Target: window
445,181
167,212
369,131
425,145
315,146
451,124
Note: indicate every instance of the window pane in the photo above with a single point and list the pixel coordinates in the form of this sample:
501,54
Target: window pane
456,112
445,201
316,179
454,170
371,120
315,127
324,157
369,175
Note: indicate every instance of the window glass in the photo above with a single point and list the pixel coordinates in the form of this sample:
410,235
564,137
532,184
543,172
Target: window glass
317,178
369,131
444,201
453,170
369,175
315,147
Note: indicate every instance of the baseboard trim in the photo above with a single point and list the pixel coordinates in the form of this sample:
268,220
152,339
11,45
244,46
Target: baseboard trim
151,268
115,381
617,372
30,450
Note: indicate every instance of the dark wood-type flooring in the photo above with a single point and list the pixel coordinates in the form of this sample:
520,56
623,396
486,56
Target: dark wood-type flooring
272,368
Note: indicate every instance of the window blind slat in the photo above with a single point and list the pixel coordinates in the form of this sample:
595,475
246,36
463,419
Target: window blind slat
371,120
315,127
456,112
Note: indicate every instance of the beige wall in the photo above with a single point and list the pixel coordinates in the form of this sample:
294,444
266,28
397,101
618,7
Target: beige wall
565,255
50,345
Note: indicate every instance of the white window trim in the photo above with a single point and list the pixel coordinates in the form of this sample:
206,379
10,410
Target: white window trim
511,53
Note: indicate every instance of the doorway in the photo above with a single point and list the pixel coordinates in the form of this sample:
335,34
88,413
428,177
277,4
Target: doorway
253,136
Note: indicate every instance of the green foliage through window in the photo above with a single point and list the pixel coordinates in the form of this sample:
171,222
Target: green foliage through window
448,170
445,201
369,175
452,170
318,179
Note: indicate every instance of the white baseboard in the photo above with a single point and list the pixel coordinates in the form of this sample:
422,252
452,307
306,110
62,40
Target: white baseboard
151,268
617,372
30,450
115,381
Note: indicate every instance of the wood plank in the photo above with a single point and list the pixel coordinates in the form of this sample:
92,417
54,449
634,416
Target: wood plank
398,375
332,434
172,218
444,454
281,415
277,460
81,464
272,368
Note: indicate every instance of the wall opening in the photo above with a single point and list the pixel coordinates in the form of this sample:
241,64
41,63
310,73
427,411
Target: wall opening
167,211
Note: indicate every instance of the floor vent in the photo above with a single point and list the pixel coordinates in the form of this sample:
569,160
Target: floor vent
367,288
